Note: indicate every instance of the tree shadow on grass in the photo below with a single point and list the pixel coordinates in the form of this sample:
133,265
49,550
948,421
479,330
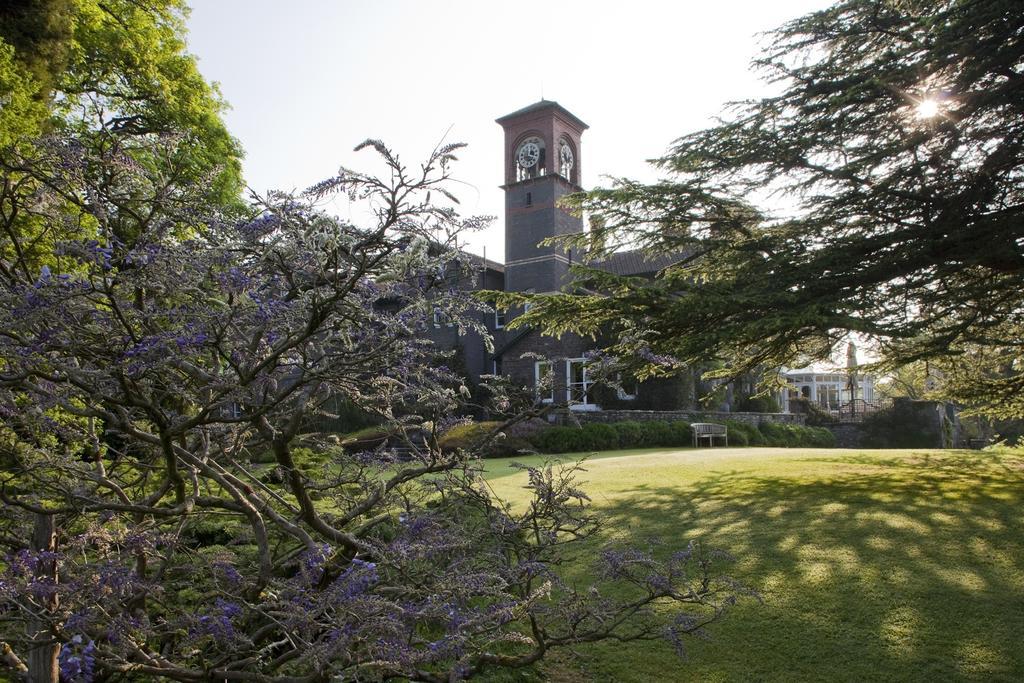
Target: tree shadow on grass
908,567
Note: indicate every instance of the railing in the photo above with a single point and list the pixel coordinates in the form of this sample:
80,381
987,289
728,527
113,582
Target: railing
856,410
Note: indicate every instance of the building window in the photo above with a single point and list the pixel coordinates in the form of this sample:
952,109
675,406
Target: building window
529,199
626,390
529,304
544,381
499,319
578,384
828,396
232,411
441,318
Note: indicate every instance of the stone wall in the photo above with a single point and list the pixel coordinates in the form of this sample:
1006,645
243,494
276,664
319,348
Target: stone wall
570,417
906,424
847,435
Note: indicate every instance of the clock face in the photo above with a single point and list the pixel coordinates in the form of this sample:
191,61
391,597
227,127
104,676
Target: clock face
529,154
565,158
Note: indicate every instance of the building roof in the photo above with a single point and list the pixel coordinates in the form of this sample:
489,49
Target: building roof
822,369
512,341
485,262
476,259
637,262
541,106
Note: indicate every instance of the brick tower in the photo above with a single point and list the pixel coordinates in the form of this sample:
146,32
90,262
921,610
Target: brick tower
542,164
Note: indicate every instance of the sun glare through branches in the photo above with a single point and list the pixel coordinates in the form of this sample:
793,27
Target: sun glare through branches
927,108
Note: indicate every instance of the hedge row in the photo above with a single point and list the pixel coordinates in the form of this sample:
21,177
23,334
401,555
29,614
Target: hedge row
617,435
606,437
795,436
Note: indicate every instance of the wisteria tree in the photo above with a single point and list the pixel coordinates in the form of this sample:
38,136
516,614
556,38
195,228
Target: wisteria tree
171,510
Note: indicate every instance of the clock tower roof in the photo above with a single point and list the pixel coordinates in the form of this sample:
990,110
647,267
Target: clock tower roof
542,105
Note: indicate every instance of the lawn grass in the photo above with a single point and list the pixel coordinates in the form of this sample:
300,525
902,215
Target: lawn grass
873,565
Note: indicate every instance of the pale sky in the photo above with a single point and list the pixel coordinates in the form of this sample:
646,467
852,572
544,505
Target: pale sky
308,80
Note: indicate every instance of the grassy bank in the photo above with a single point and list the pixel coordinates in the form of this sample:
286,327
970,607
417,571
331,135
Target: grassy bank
873,565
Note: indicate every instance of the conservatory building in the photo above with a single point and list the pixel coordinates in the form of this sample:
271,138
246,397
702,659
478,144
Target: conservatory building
828,390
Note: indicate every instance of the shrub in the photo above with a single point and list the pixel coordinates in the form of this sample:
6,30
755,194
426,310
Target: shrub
364,439
631,434
527,428
589,437
816,415
736,434
757,404
783,435
263,456
774,434
603,437
659,434
754,435
558,440
682,434
744,434
907,424
789,436
822,438
467,436
600,437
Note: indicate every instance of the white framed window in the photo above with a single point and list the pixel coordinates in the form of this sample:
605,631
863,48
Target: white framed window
544,381
440,318
529,304
577,385
626,390
499,319
232,411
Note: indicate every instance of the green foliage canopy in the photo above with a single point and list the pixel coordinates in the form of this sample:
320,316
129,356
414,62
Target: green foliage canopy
879,192
122,67
113,78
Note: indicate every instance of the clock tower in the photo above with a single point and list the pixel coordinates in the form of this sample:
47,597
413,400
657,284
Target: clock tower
542,165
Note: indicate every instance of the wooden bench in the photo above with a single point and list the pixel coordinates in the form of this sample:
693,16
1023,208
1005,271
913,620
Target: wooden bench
708,430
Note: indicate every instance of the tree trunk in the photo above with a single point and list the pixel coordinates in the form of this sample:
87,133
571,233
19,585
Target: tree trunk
42,657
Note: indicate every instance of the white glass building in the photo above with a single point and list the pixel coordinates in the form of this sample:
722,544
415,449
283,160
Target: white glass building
829,390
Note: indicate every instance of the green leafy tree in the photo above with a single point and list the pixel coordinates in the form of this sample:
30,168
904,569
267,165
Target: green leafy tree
20,113
113,78
879,191
41,31
121,66
909,381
